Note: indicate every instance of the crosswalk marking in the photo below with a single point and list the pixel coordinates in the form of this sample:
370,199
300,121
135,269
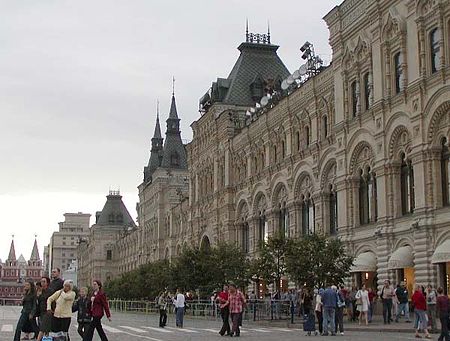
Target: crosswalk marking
259,330
7,328
209,330
183,330
133,329
161,330
111,329
283,329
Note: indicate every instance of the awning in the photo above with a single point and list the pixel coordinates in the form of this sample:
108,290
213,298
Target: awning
442,253
401,258
365,262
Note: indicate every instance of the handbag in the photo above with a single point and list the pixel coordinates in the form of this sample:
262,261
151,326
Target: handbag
53,304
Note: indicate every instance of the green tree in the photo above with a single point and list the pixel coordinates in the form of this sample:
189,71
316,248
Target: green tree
270,264
317,261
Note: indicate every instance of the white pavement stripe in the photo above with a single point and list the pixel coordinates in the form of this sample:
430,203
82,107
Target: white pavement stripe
182,330
161,330
283,329
138,337
136,330
111,329
259,330
7,328
209,330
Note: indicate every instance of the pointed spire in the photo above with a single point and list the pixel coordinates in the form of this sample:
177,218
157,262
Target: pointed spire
157,133
12,251
173,109
35,252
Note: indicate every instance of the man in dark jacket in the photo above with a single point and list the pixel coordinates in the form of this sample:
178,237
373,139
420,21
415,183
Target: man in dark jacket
402,295
57,282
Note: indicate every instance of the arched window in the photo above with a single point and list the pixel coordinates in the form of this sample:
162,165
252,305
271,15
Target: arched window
245,237
325,126
275,156
407,185
367,197
283,223
255,162
398,72
333,210
298,140
445,171
111,219
354,94
174,159
263,228
119,218
366,80
435,49
307,137
283,150
308,219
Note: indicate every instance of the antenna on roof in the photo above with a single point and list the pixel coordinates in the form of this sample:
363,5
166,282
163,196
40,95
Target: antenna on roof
246,29
268,31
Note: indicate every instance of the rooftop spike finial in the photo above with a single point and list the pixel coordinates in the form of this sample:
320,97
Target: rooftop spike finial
268,30
246,29
157,109
173,85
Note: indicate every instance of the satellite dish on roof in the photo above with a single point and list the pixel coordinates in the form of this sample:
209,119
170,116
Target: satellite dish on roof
264,101
284,85
290,80
303,69
296,74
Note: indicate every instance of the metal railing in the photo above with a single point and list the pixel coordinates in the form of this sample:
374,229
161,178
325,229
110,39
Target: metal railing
254,310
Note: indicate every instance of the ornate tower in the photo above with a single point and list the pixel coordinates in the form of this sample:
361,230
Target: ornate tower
35,269
11,271
156,153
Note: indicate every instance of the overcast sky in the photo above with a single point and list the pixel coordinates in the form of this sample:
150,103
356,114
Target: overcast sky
79,81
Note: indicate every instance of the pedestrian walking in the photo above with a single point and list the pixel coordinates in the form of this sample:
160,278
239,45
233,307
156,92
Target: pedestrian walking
362,304
162,304
222,300
339,318
352,305
44,319
318,309
99,306
28,310
431,297
236,302
329,300
372,297
420,308
442,310
179,302
62,314
57,282
386,295
403,305
82,306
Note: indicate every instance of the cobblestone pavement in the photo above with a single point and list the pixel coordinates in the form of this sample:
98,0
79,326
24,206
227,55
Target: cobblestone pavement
145,327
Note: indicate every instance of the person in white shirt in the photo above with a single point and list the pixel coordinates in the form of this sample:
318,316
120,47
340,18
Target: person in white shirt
179,307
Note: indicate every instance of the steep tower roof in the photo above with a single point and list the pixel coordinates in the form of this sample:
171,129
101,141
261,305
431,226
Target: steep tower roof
114,213
12,252
257,71
174,152
156,153
35,252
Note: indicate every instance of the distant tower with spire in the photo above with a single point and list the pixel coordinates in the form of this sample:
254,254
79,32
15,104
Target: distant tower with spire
156,153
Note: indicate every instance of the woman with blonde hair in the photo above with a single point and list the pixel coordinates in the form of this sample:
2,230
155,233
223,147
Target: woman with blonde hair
62,315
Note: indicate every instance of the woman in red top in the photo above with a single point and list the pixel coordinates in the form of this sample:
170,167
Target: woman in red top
99,304
420,308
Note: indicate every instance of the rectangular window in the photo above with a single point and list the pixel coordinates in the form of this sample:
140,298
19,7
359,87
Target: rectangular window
108,254
435,37
354,94
398,72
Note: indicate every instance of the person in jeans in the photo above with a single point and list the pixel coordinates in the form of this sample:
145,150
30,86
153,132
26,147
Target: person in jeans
236,302
403,306
329,301
339,320
222,299
179,302
371,303
387,293
420,308
318,309
162,304
442,309
431,306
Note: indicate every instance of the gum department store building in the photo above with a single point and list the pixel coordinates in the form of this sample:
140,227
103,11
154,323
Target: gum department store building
359,150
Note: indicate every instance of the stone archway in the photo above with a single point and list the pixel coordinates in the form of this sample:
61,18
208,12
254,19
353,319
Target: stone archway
205,244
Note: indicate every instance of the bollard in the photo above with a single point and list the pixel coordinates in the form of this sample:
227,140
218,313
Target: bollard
254,311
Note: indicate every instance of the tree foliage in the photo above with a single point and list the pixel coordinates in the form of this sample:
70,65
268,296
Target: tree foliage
270,264
316,261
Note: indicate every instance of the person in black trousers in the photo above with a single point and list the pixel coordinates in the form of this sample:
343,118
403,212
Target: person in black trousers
162,303
28,311
222,299
82,306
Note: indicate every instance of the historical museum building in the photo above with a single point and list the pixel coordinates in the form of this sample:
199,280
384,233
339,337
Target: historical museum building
358,149
15,271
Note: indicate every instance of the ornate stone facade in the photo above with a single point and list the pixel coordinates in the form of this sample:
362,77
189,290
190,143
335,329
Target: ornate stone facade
359,151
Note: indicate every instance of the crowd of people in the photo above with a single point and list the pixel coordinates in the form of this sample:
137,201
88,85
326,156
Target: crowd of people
48,305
